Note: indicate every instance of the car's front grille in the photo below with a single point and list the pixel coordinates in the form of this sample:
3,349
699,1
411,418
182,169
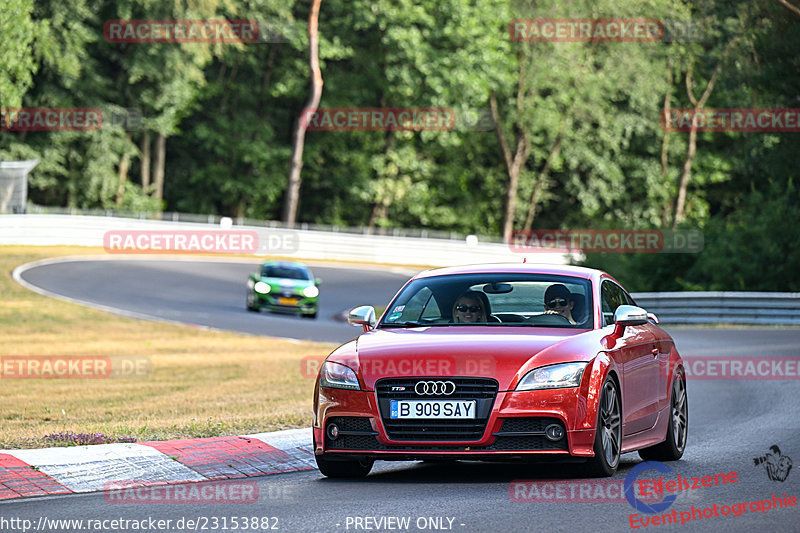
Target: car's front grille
355,433
482,390
528,433
522,424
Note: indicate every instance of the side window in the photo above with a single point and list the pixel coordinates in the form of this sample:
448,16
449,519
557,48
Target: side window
421,305
431,310
627,297
611,297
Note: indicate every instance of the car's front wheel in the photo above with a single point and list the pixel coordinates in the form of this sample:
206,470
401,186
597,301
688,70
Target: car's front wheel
348,468
673,446
608,437
251,302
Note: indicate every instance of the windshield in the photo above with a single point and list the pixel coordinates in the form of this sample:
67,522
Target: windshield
495,299
285,272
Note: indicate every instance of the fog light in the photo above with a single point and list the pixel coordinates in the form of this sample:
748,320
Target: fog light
333,431
554,432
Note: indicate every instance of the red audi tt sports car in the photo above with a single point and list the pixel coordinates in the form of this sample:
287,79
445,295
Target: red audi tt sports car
507,362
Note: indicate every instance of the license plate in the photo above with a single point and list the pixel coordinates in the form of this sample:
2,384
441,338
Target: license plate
287,301
432,409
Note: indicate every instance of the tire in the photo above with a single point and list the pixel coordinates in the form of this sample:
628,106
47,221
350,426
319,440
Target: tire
251,302
311,316
608,437
344,469
678,429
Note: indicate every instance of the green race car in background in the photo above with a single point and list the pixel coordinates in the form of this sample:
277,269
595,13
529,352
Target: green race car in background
283,286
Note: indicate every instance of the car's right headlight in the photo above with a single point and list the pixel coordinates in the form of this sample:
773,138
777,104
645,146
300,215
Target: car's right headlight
311,292
559,376
337,376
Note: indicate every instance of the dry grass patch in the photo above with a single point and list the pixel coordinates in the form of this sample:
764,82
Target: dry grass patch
201,383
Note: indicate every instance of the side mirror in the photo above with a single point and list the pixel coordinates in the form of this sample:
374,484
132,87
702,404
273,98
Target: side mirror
362,316
628,315
317,281
653,318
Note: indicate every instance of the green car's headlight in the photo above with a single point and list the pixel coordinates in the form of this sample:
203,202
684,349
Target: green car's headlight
560,376
261,287
311,292
336,376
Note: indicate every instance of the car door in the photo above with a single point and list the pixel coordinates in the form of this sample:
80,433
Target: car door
662,346
640,364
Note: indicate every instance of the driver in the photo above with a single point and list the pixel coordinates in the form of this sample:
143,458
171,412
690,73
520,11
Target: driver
472,307
559,301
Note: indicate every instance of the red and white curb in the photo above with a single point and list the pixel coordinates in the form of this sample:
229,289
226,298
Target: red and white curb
92,468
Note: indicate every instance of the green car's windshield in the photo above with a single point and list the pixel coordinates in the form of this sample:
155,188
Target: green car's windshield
285,272
495,299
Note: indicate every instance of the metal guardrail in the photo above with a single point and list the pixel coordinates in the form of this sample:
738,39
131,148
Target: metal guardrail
722,307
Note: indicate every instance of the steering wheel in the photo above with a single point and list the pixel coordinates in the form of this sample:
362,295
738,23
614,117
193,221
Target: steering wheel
550,320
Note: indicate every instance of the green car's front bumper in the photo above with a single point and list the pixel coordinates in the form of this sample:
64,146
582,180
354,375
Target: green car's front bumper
281,298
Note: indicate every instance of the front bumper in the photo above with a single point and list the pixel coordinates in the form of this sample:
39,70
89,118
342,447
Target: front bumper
513,428
278,303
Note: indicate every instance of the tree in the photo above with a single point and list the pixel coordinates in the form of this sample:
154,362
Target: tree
293,182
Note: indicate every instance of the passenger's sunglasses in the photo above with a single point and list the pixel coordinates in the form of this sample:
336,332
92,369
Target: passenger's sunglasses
557,302
471,308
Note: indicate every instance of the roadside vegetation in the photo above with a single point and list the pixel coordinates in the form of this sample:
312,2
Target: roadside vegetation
549,135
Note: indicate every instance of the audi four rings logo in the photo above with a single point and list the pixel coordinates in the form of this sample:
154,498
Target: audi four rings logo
438,388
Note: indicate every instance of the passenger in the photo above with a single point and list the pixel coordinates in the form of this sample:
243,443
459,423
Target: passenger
472,307
559,301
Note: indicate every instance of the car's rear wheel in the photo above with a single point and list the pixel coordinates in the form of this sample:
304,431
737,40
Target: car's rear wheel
349,468
310,315
608,437
674,445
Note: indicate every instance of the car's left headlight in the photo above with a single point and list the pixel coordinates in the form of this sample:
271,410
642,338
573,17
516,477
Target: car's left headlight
338,376
559,376
310,292
262,288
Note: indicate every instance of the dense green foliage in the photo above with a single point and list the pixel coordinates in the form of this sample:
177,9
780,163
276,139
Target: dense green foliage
587,114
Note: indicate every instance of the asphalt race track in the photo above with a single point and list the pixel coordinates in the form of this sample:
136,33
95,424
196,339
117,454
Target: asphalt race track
731,422
212,293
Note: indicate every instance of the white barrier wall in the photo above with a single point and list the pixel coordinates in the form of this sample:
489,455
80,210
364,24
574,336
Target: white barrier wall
52,230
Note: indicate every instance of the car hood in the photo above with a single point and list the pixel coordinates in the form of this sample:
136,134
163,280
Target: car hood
474,351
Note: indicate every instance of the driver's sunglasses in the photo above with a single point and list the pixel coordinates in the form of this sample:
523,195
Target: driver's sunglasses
471,308
557,302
